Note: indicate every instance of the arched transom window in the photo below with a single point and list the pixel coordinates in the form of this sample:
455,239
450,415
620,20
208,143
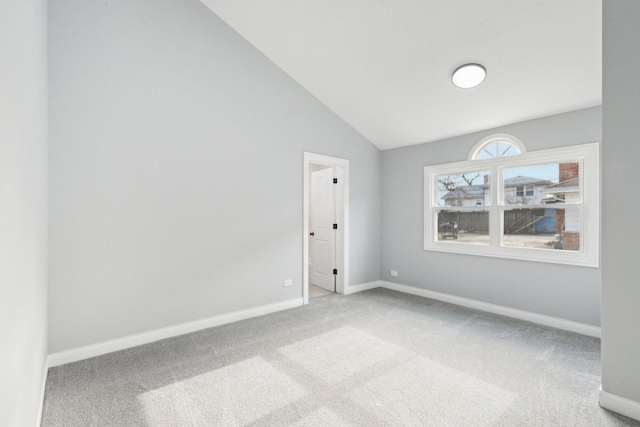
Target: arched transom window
495,146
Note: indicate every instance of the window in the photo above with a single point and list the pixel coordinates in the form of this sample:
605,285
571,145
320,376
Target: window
496,146
525,191
539,206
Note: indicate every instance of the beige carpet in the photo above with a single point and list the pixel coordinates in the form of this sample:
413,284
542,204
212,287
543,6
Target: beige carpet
376,358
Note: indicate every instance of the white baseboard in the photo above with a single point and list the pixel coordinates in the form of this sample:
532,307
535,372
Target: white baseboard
81,353
555,322
363,287
621,405
44,387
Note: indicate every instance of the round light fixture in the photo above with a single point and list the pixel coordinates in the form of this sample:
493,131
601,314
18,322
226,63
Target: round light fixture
468,76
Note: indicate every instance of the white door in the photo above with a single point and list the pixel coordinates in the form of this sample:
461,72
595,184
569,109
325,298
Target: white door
323,215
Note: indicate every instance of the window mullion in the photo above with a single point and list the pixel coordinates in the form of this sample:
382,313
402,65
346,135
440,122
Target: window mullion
494,213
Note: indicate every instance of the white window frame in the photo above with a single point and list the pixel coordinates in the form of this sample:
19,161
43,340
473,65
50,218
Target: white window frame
588,155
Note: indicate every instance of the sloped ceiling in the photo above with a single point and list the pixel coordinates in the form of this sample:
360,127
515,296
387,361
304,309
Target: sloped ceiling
385,66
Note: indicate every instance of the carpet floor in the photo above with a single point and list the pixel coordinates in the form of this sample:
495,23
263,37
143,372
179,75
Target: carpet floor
317,291
375,358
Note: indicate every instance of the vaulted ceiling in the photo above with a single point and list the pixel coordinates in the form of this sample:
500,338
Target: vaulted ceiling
385,66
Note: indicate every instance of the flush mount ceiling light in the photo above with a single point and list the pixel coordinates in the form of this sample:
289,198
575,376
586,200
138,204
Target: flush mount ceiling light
468,75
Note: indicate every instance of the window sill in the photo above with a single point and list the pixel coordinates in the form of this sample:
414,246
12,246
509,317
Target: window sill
551,256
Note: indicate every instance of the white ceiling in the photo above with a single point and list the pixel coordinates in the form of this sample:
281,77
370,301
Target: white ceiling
385,66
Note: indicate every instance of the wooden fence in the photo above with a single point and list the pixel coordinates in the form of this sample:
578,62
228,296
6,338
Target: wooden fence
473,222
519,221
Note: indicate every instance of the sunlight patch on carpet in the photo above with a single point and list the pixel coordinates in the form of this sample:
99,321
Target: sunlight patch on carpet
236,394
424,392
336,355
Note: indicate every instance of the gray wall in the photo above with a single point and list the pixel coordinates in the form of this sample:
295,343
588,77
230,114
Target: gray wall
23,209
562,291
620,161
176,171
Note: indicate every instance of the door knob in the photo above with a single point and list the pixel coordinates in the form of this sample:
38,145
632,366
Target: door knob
312,234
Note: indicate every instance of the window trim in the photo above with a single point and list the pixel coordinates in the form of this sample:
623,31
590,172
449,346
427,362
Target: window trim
588,155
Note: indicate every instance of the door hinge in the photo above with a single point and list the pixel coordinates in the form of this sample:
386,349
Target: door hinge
335,271
335,226
335,180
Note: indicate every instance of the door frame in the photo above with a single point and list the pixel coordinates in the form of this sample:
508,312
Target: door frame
342,216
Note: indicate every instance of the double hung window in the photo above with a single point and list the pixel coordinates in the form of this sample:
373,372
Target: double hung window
538,206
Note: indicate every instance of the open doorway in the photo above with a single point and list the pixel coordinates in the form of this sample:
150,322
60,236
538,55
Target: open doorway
325,225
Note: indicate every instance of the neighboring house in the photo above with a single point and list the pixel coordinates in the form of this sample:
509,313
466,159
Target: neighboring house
563,192
467,195
522,190
566,192
525,190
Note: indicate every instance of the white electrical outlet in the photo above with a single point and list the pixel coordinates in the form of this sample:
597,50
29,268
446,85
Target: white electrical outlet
394,273
288,282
